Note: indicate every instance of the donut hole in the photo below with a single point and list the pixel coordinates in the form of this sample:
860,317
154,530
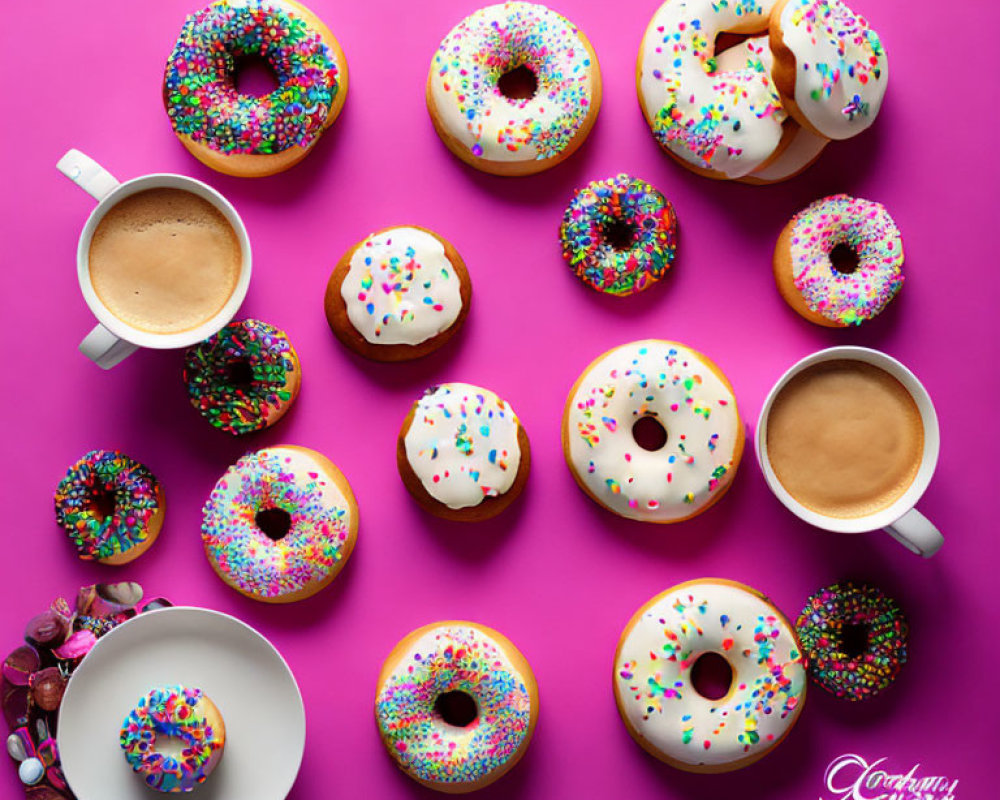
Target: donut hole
649,433
239,373
727,41
456,708
519,83
711,676
102,504
854,639
274,523
170,746
253,75
844,259
619,234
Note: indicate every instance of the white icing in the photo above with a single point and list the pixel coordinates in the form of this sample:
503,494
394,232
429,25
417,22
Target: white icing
667,381
401,288
653,674
462,444
724,121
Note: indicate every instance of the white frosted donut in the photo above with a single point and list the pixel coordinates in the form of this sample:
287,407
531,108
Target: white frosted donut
693,403
658,701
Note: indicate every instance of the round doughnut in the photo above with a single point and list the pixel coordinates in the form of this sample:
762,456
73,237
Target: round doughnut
242,134
829,66
854,638
717,123
456,705
657,694
111,506
194,737
839,261
651,431
619,235
462,452
280,524
244,378
398,294
514,89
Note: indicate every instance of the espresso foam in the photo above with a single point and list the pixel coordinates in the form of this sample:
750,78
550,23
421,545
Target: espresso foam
845,438
164,260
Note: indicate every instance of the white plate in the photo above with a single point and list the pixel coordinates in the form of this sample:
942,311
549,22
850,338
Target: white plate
237,667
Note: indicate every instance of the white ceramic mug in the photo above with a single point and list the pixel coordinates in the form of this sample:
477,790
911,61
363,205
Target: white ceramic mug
900,520
113,340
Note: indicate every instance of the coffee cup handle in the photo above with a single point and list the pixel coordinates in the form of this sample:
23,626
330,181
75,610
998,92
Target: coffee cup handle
87,174
916,533
105,349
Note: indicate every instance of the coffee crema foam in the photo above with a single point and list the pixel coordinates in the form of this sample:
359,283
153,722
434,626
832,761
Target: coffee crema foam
845,438
164,260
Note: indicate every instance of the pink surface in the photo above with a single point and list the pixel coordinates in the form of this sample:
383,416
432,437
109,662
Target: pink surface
555,573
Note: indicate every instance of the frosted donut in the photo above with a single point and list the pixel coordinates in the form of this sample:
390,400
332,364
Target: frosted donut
242,134
839,261
193,738
681,408
719,124
456,705
521,132
398,294
829,66
280,524
655,660
462,452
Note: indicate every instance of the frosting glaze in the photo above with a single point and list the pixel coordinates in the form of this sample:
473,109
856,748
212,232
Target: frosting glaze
652,675
696,407
449,658
401,287
462,444
726,122
494,40
841,67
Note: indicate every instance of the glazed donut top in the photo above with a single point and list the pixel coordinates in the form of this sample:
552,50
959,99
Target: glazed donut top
672,383
462,444
728,122
493,41
401,287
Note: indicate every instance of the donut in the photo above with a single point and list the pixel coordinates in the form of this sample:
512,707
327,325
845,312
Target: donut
398,294
658,693
194,738
456,705
244,378
111,506
717,123
651,431
242,134
830,67
462,452
280,524
619,235
854,637
839,261
514,89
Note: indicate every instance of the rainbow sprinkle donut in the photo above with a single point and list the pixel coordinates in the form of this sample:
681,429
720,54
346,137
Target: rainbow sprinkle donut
456,705
838,614
186,718
244,378
242,134
619,235
111,506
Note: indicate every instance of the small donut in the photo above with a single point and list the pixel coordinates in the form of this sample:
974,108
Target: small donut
829,66
658,697
194,738
619,235
280,524
111,506
398,294
839,261
717,123
244,378
242,134
462,452
832,617
651,431
510,129
456,705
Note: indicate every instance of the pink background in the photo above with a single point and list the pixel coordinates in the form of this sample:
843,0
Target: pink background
555,573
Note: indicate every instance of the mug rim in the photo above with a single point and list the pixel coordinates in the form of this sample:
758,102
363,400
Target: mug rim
929,457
